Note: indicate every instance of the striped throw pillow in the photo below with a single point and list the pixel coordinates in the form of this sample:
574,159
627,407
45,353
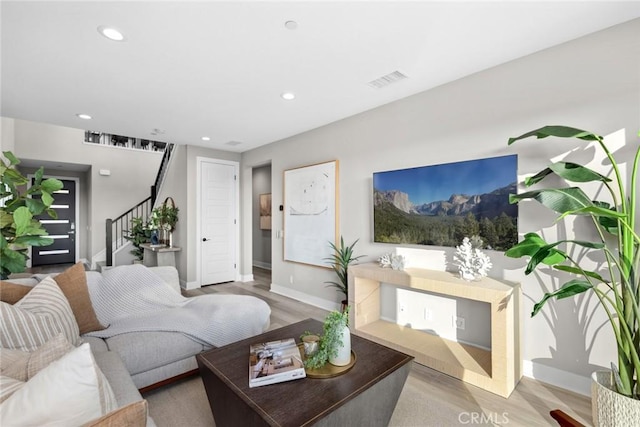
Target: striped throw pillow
41,315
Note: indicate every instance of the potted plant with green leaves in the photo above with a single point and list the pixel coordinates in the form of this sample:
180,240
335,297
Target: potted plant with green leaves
340,260
137,235
18,207
335,342
165,218
617,283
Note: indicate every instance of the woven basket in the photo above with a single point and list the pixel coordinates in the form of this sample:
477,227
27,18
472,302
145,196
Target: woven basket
609,408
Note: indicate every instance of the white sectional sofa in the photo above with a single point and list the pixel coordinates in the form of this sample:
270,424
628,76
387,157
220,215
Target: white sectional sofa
141,360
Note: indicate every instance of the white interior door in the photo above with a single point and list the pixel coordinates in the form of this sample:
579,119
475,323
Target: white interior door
218,222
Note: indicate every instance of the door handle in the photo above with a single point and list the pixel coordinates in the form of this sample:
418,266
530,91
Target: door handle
204,239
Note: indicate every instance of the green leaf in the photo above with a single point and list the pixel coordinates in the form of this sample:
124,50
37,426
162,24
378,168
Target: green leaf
36,207
542,252
569,171
6,219
33,240
38,177
52,213
13,160
557,199
47,198
52,185
529,181
14,178
22,218
575,270
608,223
595,211
577,173
559,131
530,245
14,261
546,255
569,289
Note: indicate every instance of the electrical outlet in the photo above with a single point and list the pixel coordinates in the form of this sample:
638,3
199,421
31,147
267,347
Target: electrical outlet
458,322
291,279
428,314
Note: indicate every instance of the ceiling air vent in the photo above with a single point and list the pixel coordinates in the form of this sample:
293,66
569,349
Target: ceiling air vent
383,81
233,143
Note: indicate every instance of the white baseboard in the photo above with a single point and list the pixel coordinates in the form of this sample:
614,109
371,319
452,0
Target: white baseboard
246,278
305,298
189,285
559,378
261,264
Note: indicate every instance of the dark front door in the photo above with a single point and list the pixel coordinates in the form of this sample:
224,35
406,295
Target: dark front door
61,230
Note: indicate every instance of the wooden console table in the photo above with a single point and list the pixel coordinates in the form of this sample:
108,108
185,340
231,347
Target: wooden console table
159,255
497,370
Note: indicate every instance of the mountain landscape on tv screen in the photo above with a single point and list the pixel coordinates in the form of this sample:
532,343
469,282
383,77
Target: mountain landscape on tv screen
447,222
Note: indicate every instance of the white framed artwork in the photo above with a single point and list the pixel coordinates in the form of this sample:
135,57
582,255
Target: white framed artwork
310,213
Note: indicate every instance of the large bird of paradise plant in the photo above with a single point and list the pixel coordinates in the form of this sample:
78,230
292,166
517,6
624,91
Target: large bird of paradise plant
616,285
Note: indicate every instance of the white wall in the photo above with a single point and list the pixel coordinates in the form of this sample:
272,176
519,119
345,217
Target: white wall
592,83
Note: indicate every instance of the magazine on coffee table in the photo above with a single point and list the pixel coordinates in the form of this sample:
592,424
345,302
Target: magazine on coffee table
275,362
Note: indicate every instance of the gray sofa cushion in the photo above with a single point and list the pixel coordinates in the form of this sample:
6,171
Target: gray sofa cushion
143,351
97,344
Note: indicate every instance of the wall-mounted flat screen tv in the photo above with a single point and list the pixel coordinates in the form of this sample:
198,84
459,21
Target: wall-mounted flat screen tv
439,205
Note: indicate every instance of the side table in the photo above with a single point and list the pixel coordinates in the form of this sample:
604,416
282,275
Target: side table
159,255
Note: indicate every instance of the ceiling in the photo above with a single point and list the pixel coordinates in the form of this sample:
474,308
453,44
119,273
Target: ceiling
217,69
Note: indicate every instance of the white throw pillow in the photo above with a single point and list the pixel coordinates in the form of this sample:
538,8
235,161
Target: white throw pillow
8,386
65,393
39,316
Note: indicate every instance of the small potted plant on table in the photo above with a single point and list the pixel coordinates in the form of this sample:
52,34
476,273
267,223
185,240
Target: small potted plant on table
335,343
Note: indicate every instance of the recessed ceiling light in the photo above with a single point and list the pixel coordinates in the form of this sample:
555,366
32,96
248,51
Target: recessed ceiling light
84,116
288,96
206,138
111,33
291,25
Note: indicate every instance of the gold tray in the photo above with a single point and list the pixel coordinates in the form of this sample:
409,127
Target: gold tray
328,370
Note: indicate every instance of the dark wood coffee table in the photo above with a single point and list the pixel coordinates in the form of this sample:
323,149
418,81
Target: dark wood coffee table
364,396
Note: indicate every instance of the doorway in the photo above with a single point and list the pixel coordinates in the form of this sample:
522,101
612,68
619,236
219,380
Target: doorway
218,208
262,218
62,230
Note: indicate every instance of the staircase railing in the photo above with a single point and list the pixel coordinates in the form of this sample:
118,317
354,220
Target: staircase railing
162,170
117,229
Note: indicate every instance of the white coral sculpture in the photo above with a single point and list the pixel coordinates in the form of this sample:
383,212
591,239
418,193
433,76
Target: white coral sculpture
471,261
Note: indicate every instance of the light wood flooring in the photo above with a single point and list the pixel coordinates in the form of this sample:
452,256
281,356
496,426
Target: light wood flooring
528,405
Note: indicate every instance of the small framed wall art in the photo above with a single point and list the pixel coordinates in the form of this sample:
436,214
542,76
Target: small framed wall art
265,211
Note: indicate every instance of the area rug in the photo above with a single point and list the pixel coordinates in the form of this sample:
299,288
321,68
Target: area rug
185,404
